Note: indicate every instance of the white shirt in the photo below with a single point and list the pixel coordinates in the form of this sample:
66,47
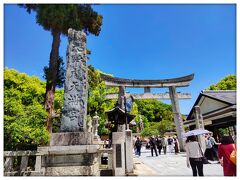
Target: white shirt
193,150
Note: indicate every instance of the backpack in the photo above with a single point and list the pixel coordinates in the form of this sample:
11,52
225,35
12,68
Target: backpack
138,143
233,155
159,142
170,141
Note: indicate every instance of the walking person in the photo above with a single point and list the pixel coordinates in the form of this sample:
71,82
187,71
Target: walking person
214,146
176,145
138,145
224,150
134,147
209,149
152,143
194,155
170,144
159,145
164,144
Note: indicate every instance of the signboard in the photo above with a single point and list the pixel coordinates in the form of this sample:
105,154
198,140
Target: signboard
118,156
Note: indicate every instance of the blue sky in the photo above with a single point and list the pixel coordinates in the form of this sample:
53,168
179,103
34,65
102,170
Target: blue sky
138,41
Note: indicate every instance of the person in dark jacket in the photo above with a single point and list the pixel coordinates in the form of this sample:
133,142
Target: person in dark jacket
138,145
159,145
176,145
152,143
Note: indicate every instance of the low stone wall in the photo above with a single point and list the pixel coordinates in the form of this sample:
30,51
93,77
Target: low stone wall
83,160
11,156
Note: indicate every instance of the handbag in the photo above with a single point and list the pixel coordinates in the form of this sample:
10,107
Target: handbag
233,155
204,159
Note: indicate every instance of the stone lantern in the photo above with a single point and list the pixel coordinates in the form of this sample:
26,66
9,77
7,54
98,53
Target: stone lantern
95,127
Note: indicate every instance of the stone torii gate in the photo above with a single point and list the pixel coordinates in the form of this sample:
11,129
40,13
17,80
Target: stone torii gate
171,84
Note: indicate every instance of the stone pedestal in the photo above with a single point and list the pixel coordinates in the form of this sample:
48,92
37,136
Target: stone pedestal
129,151
69,154
118,139
68,160
71,138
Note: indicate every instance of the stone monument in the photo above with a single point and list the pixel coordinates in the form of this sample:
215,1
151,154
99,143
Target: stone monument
71,151
74,113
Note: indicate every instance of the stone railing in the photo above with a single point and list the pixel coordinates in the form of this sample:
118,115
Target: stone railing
13,166
29,163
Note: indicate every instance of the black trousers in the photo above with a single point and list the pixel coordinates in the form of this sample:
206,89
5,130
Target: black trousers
197,166
154,148
159,149
165,149
138,151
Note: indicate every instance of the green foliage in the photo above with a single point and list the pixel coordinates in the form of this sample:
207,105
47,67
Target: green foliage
224,131
149,132
158,128
157,117
96,98
61,17
24,113
58,104
154,110
165,126
58,18
60,73
25,116
227,83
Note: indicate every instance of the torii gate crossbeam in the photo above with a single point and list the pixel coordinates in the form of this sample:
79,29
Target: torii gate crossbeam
172,84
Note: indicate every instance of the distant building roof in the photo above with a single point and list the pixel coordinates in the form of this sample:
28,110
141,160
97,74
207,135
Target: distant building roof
228,96
225,96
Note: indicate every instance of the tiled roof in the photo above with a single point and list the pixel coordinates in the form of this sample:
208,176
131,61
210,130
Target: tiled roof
228,96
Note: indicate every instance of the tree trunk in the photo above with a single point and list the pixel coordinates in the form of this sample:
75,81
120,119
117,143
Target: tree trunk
51,79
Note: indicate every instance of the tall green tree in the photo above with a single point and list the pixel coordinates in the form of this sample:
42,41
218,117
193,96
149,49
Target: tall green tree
24,112
60,73
96,98
227,83
58,18
154,110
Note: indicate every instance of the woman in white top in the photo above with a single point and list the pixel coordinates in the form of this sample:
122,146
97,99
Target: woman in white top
194,155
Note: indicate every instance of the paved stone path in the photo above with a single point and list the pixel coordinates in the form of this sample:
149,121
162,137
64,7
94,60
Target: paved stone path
170,165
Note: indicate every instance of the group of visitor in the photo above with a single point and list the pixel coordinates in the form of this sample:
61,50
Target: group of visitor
173,144
157,145
211,147
196,156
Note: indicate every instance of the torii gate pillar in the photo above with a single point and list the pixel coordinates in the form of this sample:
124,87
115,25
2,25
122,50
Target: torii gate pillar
177,116
121,94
